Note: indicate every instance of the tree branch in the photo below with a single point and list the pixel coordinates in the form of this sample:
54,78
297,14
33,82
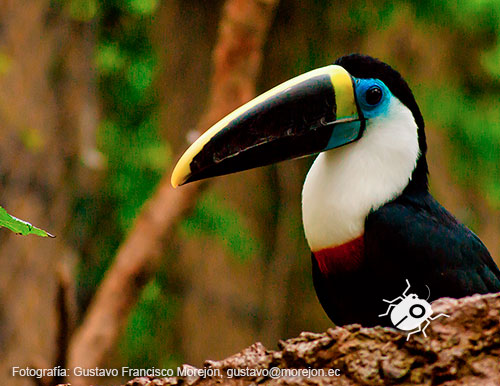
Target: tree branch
459,350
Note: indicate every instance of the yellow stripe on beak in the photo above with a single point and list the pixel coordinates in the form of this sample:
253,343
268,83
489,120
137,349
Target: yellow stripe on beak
344,92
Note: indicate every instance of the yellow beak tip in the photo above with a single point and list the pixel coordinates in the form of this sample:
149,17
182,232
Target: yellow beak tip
180,174
174,181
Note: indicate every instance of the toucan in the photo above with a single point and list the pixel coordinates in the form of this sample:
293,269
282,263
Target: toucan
368,216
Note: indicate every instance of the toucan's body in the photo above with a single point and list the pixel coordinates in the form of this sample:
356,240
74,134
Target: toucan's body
412,237
368,216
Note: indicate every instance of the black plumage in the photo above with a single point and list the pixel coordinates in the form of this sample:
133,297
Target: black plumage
414,238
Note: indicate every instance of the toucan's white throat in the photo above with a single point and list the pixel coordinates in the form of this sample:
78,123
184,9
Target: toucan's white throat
344,184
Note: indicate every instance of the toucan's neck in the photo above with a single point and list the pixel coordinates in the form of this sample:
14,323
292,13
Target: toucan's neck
345,184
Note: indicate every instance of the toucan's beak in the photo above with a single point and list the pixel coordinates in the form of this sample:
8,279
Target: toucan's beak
306,115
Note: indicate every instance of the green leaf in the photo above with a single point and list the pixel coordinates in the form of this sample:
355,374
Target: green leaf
19,226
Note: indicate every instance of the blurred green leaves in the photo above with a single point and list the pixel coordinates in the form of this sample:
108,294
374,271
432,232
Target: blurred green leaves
145,7
473,127
83,10
150,323
215,219
491,61
137,160
86,10
109,59
137,156
140,74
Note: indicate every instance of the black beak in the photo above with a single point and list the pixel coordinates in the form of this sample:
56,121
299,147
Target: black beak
306,115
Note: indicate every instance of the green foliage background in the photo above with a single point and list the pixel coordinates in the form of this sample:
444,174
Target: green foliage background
462,104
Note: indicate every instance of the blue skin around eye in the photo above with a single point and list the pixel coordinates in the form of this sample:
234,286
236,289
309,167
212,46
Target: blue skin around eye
371,111
347,132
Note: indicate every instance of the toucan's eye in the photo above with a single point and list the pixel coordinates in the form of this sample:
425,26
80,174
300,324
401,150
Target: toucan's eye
373,95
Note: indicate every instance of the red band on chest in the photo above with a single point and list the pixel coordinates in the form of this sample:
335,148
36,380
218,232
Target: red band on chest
345,257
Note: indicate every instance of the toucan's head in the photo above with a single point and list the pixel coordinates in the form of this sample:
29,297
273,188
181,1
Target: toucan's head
320,110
